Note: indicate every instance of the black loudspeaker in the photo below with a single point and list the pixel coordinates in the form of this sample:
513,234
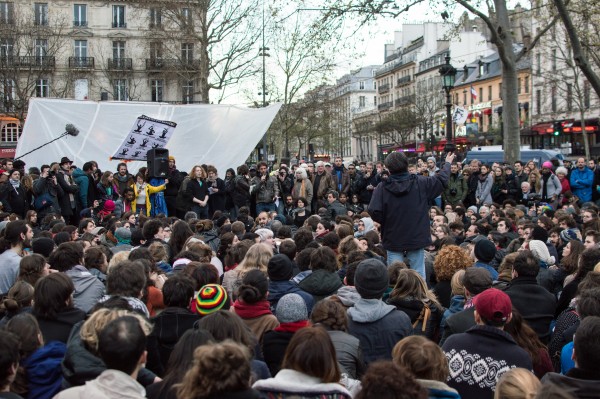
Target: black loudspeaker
104,96
158,162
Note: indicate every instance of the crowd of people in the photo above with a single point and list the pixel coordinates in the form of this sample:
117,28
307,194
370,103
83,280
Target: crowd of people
432,279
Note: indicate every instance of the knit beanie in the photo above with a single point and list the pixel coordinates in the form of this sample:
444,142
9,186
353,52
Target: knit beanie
210,298
109,206
123,235
43,246
548,165
485,250
541,253
539,233
371,279
472,208
291,308
568,235
280,268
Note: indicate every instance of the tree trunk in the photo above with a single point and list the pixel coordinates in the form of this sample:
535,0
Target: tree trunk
586,139
204,87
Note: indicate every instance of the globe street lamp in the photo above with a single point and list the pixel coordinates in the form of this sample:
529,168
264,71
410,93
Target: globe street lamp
448,74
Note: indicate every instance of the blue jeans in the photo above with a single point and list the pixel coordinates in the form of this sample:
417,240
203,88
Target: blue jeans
201,211
414,260
265,207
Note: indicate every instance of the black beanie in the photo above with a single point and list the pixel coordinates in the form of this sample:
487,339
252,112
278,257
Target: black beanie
43,246
371,279
280,268
485,250
539,233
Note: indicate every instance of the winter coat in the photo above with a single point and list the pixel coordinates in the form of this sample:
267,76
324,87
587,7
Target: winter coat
576,382
69,188
562,334
554,187
457,304
457,184
320,284
336,209
59,328
458,323
497,195
348,353
273,347
183,201
294,384
400,205
103,192
378,326
241,193
535,303
484,190
216,201
277,289
88,289
264,190
581,183
308,190
424,317
354,183
565,188
149,190
443,292
342,180
46,186
365,195
326,183
438,389
111,384
83,181
14,200
492,350
169,326
513,186
43,371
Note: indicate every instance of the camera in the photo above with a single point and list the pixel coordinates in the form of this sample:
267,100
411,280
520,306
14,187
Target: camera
453,191
534,200
51,174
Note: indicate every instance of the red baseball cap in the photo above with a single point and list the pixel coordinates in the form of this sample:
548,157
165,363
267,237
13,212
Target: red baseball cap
493,305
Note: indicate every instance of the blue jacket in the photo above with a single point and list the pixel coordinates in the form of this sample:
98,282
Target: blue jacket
401,206
581,183
493,272
277,289
81,179
44,375
457,304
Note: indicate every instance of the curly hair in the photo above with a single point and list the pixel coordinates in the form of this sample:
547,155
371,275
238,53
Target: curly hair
386,380
331,314
218,368
347,245
91,328
449,260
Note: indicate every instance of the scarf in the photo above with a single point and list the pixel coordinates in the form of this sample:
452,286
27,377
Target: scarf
545,178
228,268
292,327
122,179
15,183
302,189
300,209
482,177
252,310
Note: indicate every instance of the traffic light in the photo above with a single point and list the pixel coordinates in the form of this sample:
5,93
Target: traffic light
557,128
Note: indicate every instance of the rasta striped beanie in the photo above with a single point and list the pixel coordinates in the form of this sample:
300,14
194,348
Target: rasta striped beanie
210,298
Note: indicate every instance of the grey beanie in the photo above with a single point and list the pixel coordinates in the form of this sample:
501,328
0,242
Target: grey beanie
123,235
371,279
291,308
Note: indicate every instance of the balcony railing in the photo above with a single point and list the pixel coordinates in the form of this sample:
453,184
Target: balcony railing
164,64
384,88
122,64
81,62
403,80
28,61
405,100
385,106
80,24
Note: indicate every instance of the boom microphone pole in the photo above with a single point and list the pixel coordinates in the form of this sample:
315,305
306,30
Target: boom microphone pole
70,130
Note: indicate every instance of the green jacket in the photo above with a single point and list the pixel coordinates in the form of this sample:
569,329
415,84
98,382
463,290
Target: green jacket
456,191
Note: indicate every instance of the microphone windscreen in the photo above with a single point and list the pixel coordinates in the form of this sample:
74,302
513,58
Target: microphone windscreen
71,130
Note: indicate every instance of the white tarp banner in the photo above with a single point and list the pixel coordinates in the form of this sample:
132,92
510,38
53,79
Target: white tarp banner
146,134
219,135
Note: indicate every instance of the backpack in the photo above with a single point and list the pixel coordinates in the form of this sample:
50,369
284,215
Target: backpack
42,202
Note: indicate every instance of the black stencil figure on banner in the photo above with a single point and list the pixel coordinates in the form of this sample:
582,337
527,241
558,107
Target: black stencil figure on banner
131,140
124,151
164,133
144,143
155,145
136,154
150,131
139,127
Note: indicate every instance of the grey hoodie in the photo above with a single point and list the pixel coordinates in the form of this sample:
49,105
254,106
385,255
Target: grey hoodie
369,310
348,295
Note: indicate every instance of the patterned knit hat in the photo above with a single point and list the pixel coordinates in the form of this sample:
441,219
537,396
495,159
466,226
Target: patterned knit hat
568,235
210,298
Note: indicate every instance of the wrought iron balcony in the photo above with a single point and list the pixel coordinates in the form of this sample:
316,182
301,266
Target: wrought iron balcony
405,100
403,80
81,62
385,106
122,64
28,61
166,64
384,88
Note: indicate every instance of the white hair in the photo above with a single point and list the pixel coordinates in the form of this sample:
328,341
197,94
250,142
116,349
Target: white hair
561,170
264,234
303,172
320,163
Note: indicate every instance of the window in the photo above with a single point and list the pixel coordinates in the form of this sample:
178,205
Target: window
569,96
80,15
586,94
41,13
554,60
9,94
11,132
120,90
118,49
500,90
374,85
186,16
6,13
81,49
156,50
362,100
6,48
480,94
518,85
119,17
41,48
526,84
375,100
489,93
42,88
538,102
156,86
187,91
465,97
538,63
553,98
187,53
361,85
155,18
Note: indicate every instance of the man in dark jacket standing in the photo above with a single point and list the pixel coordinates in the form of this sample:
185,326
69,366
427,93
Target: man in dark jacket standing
340,174
69,202
175,179
535,303
401,205
479,357
472,183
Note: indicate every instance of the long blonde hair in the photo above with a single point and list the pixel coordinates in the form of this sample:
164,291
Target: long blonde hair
257,257
411,284
517,383
90,330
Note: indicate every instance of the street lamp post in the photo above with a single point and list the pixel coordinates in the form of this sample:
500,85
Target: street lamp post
448,74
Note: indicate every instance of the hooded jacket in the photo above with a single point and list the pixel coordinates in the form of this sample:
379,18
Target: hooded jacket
59,328
294,384
277,289
578,383
88,289
401,206
321,283
44,376
378,326
111,384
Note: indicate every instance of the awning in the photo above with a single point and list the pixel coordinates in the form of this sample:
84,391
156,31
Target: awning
542,128
7,152
487,111
591,126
